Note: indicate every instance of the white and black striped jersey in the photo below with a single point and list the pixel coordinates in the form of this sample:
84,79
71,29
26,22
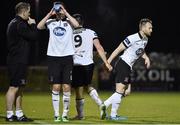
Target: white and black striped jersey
83,43
60,38
135,46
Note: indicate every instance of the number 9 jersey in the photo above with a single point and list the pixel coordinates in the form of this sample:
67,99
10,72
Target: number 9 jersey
83,43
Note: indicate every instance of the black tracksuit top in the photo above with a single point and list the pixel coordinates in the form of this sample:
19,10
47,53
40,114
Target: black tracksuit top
19,36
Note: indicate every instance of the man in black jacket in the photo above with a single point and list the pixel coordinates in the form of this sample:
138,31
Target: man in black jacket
20,32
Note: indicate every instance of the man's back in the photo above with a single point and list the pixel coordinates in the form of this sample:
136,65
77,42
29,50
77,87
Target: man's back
83,42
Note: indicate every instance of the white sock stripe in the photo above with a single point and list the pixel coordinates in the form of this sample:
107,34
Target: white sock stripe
91,90
55,97
67,94
55,92
80,101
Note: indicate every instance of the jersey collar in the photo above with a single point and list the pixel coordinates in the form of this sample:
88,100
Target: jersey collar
140,36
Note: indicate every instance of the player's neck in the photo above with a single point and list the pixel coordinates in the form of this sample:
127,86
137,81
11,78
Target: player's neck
21,15
142,34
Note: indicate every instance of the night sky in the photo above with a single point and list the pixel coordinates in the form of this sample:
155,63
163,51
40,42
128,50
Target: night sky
113,20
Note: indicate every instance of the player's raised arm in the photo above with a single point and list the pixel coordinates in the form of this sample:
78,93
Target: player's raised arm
41,24
71,19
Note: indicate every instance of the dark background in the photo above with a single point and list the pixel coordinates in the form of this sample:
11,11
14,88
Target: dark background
113,20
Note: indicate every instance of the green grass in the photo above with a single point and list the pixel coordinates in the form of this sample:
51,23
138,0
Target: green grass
139,107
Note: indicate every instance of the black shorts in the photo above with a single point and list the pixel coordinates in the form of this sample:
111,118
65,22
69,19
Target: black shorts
122,72
17,74
82,75
60,69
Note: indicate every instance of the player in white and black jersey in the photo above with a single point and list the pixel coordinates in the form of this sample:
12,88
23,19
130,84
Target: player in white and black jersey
84,39
133,47
60,56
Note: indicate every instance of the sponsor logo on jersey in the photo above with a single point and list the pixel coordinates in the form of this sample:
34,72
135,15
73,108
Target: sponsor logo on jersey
127,41
80,53
59,31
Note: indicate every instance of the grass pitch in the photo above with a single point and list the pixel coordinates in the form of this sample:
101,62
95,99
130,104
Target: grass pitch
139,107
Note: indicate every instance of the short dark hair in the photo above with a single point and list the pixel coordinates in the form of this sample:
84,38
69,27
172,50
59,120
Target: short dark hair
79,18
21,6
143,21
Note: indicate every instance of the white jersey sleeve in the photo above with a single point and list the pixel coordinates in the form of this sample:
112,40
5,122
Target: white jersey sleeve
49,22
94,35
129,41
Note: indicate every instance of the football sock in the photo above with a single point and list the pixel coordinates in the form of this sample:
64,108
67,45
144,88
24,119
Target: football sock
66,103
94,95
115,104
9,114
112,99
19,113
79,107
55,102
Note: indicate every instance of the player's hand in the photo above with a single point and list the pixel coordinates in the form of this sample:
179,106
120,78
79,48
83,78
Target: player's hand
109,61
109,66
64,10
127,92
31,21
147,63
52,12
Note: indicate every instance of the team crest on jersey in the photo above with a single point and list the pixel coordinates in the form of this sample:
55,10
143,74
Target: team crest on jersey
65,24
59,31
140,51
